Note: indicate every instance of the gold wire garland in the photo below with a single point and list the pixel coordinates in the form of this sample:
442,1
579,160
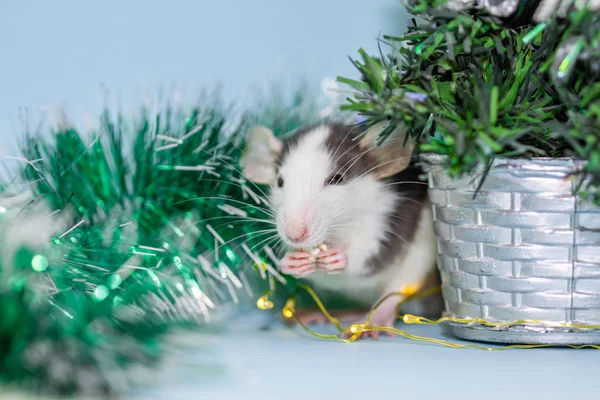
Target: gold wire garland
355,330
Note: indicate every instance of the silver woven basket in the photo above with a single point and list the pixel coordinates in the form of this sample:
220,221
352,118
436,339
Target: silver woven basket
524,248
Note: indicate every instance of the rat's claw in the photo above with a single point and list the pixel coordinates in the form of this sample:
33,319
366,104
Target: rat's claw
316,316
332,260
308,317
374,334
297,264
382,319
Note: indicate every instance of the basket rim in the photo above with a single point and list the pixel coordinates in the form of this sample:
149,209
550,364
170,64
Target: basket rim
434,156
434,159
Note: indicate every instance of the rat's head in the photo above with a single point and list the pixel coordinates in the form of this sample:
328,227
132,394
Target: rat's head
324,180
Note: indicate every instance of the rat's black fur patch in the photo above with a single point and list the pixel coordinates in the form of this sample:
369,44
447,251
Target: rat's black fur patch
411,192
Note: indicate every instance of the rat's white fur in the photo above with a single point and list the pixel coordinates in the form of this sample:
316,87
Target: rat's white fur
351,216
409,268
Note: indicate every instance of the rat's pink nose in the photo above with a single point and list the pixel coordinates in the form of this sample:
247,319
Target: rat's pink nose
296,231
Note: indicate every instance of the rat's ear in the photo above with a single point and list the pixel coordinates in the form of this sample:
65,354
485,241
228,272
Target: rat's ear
260,154
391,156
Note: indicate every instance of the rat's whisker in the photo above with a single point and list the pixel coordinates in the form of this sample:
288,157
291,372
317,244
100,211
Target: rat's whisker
342,207
404,198
405,183
342,210
396,216
237,219
264,200
279,247
352,160
244,153
257,233
356,158
333,157
381,165
266,241
235,169
266,211
398,236
335,226
356,144
348,224
233,222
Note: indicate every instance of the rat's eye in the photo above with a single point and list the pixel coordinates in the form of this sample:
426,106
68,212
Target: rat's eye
279,181
334,180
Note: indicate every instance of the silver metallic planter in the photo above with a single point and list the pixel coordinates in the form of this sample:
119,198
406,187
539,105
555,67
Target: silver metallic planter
524,248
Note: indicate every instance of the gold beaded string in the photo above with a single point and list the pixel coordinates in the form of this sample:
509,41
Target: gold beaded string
355,330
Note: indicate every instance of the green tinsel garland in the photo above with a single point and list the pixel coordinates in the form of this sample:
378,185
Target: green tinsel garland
473,89
108,242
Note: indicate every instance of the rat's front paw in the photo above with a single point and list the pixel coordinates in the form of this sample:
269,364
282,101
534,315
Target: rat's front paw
384,321
297,264
333,260
383,318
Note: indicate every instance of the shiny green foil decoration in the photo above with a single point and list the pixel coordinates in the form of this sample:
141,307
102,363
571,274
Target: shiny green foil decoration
112,238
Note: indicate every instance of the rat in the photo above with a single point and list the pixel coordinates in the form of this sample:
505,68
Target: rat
334,187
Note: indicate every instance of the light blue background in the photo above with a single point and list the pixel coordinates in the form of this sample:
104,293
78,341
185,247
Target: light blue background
79,53
66,51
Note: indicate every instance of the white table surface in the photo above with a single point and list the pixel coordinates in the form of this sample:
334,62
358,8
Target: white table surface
256,358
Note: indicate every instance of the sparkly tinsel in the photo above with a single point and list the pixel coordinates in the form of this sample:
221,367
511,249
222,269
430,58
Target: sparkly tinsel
110,239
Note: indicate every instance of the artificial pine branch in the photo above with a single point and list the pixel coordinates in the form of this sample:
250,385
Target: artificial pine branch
473,88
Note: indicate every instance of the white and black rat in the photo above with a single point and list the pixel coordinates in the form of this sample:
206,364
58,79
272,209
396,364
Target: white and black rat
362,200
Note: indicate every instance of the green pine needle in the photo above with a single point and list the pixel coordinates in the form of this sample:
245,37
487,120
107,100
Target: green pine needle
473,89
